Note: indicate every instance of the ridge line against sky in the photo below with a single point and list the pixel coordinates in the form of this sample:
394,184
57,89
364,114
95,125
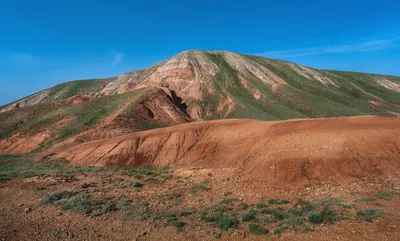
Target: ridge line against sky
344,47
339,48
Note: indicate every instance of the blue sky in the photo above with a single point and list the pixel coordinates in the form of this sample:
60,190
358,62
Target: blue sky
43,43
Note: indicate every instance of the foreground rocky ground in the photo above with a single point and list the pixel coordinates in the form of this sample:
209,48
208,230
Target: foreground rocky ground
49,200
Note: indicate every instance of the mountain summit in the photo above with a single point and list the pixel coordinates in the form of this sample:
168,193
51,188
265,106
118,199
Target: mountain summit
193,85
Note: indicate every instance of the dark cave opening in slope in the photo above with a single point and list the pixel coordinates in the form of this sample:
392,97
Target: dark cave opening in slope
178,101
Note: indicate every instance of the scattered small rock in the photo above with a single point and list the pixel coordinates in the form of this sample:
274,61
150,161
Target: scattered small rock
87,185
28,209
217,235
136,184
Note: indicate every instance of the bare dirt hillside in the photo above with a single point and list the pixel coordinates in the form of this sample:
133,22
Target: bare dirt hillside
278,153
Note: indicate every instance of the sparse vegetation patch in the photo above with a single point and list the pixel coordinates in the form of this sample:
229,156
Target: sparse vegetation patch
254,228
369,214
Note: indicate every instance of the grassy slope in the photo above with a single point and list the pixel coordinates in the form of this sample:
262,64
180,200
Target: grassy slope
68,89
301,98
45,114
77,87
86,115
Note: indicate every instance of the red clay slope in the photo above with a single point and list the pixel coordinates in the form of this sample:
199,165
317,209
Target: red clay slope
285,152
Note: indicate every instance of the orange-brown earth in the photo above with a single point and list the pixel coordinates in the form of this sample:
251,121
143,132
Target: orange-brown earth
49,222
279,153
352,159
24,142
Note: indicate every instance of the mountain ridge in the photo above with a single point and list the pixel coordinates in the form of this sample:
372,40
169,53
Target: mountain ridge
109,79
191,86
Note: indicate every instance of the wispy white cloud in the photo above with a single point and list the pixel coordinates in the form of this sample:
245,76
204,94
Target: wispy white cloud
26,59
118,59
339,48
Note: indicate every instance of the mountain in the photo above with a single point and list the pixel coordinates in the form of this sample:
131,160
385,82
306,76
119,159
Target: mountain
191,86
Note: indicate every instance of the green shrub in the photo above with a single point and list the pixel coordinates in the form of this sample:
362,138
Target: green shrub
209,218
221,221
255,229
226,222
199,187
348,206
261,205
108,207
58,195
369,214
182,213
295,221
243,206
174,221
274,201
135,211
325,216
307,208
276,214
4,178
219,208
249,216
40,188
384,195
277,232
149,174
77,203
71,200
295,212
